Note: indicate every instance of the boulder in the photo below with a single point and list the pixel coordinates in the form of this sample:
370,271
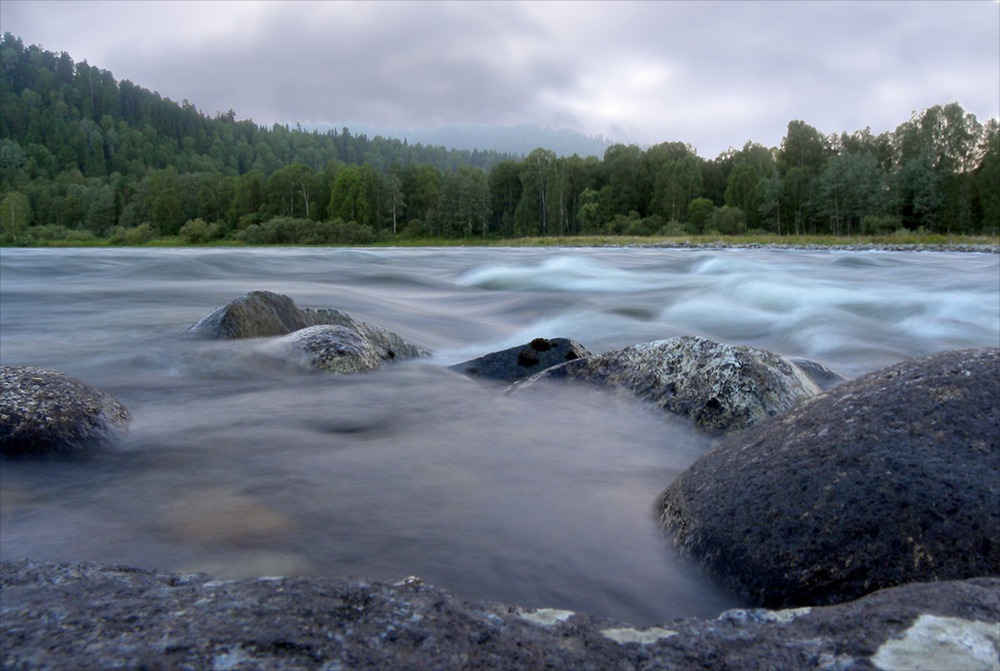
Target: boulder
887,479
333,349
258,314
721,387
45,411
157,620
523,361
262,314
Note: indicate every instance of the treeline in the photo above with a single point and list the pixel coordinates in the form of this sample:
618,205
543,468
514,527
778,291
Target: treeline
83,156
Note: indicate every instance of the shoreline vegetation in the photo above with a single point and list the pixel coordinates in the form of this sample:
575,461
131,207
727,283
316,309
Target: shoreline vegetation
910,241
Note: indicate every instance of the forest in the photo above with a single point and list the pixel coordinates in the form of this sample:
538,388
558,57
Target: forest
86,158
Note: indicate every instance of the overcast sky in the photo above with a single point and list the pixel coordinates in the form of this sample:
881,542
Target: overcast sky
714,74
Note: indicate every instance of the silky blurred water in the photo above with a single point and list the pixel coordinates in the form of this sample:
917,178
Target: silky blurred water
237,466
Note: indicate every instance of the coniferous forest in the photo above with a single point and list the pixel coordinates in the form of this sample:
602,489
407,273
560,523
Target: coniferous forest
85,157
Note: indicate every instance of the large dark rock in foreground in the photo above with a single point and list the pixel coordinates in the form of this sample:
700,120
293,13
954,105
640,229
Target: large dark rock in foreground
721,387
891,478
517,363
88,616
263,314
44,412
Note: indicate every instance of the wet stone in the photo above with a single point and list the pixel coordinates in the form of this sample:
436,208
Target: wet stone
523,361
46,412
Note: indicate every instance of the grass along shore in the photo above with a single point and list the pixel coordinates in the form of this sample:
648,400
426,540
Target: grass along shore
912,240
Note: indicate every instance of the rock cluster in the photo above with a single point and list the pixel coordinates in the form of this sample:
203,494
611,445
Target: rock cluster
871,507
45,411
156,620
721,387
352,347
891,478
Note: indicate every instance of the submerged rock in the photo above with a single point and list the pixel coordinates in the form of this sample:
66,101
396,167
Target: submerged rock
333,349
517,363
888,479
329,340
720,387
152,619
45,411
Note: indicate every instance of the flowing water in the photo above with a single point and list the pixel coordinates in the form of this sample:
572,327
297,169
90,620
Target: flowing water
239,467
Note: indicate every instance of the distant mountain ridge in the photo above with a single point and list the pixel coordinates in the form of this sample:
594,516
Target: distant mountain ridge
519,139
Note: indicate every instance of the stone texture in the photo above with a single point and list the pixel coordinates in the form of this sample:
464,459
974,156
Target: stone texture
45,411
73,616
332,349
523,361
721,387
263,314
891,478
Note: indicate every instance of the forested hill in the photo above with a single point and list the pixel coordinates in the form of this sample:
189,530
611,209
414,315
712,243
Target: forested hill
83,156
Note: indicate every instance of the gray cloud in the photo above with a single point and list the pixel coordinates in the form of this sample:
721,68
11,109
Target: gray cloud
711,73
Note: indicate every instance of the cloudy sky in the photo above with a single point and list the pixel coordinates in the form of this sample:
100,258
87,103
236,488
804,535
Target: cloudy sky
714,74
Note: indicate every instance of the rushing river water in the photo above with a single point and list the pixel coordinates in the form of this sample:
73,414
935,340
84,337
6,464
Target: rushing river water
541,498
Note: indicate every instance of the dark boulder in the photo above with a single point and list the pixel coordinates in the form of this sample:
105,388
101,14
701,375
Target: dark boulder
262,314
721,387
45,411
258,314
523,361
891,478
89,616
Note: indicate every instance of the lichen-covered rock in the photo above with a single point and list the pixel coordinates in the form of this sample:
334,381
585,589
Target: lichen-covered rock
721,387
333,349
890,478
156,620
45,411
520,362
262,314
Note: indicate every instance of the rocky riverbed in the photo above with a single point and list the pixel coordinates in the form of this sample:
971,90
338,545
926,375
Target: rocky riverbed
864,505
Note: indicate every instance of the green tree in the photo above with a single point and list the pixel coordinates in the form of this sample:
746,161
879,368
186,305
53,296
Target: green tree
15,215
698,213
918,191
505,194
538,190
349,199
850,186
987,178
626,174
675,174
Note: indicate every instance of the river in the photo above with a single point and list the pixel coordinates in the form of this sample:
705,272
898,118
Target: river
239,467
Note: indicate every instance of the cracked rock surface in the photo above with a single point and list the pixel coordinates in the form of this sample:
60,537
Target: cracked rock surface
73,616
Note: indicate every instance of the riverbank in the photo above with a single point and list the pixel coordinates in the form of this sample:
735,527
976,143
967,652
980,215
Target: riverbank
909,242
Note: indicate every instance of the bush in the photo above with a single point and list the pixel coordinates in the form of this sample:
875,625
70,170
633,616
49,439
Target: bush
674,228
646,226
196,231
138,235
288,231
79,235
414,228
879,225
46,233
726,220
698,212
